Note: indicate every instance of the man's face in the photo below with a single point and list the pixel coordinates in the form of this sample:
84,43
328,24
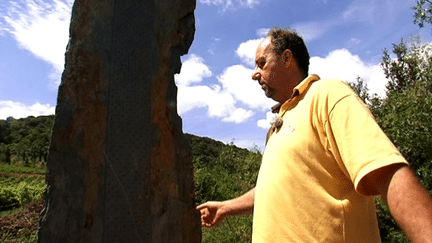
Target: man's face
270,72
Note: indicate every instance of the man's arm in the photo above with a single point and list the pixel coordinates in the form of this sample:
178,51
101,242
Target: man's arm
409,202
212,213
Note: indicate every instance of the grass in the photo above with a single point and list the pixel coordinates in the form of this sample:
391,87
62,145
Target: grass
21,169
10,211
233,229
20,224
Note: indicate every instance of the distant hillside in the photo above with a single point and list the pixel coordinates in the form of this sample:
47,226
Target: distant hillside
221,170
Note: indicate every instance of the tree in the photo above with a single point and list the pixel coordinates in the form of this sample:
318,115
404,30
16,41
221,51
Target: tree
25,139
4,132
406,111
405,114
361,89
412,65
423,12
373,101
8,155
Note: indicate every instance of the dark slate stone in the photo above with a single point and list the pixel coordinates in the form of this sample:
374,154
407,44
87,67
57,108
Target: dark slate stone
119,165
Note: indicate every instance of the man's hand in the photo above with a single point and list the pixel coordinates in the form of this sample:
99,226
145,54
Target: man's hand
212,213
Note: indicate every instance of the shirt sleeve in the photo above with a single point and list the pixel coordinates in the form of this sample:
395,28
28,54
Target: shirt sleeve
356,141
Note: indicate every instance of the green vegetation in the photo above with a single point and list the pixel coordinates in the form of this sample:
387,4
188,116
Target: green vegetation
25,140
23,154
404,115
10,169
21,190
222,172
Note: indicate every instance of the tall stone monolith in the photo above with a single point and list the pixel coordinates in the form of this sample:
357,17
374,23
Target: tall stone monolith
119,166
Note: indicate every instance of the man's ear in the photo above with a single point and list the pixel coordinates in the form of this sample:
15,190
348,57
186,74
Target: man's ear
287,57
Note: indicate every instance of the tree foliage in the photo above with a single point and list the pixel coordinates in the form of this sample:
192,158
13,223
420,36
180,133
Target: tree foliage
407,110
360,87
405,115
25,140
422,12
224,171
411,66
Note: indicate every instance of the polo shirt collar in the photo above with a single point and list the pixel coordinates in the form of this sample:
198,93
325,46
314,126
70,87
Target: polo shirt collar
303,85
300,89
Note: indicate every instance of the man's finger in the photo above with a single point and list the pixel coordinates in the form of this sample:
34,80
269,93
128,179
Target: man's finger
204,213
199,207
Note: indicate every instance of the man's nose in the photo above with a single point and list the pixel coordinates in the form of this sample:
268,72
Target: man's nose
256,76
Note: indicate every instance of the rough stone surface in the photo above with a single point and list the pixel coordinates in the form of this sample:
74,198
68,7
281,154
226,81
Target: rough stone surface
119,166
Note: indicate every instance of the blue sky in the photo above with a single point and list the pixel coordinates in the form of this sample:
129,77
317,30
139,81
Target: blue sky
216,96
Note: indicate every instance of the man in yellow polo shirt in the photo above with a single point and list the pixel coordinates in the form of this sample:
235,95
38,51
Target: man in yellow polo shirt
325,159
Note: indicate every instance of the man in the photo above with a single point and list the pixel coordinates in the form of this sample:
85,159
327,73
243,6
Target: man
325,159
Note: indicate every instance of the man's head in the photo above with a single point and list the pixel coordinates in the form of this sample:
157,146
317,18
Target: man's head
283,39
277,69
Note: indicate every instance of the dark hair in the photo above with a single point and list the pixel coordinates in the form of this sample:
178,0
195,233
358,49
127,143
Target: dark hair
283,39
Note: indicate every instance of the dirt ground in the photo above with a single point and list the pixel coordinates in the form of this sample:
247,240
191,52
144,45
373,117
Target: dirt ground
19,224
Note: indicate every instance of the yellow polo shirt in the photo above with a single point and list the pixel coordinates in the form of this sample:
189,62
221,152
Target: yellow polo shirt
309,184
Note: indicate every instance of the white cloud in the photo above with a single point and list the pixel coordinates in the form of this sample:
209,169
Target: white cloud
233,99
219,103
190,98
232,4
343,65
213,45
42,28
237,81
359,12
308,31
374,12
250,3
354,41
246,51
193,71
312,30
239,115
265,123
19,110
262,32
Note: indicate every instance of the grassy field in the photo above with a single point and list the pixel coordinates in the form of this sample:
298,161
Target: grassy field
21,190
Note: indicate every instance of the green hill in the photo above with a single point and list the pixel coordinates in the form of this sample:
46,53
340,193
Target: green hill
221,171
